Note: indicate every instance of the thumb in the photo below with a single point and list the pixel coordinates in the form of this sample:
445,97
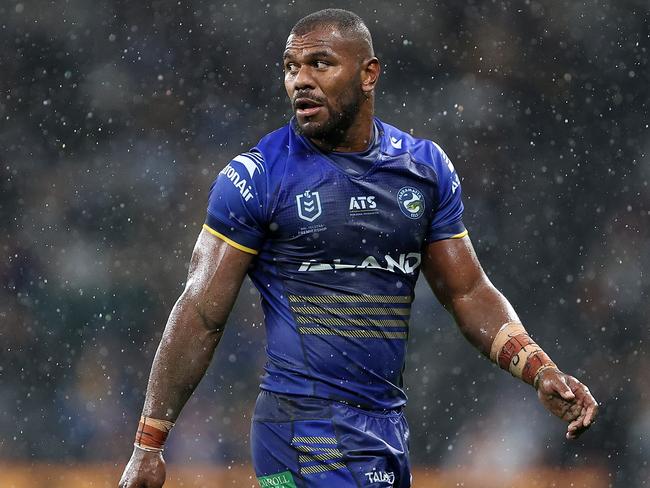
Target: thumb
563,389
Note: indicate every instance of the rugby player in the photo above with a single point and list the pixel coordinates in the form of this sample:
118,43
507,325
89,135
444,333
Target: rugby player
333,216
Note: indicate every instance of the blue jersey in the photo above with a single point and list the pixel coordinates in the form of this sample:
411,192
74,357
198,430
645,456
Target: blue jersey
337,256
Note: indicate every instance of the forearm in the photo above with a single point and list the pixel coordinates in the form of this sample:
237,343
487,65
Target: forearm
480,312
182,358
489,322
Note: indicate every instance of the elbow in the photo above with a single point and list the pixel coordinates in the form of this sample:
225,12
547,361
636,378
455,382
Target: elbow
210,323
478,288
202,312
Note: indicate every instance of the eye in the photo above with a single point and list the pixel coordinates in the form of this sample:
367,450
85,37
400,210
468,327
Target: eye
290,68
321,64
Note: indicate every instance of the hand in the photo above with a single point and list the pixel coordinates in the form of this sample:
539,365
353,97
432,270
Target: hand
567,398
144,470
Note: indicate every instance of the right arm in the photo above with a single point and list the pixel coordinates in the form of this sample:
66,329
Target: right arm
193,330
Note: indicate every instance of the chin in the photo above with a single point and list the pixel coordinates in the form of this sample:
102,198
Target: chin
311,129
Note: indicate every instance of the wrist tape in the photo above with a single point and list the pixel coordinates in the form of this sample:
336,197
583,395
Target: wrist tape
515,351
152,434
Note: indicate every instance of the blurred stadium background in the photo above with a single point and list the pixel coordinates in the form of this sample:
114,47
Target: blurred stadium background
116,117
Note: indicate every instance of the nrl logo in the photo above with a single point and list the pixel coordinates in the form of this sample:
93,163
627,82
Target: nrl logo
309,207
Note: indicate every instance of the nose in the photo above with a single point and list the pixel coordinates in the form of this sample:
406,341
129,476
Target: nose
303,79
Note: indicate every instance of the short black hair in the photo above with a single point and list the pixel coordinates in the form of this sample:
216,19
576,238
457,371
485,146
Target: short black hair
346,22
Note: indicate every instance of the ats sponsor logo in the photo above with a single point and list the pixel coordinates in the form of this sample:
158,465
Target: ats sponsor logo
363,205
405,263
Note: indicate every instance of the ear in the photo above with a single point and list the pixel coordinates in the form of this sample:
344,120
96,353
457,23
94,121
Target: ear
370,70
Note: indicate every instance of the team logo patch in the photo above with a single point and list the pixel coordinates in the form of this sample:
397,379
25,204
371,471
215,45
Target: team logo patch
411,202
309,207
279,480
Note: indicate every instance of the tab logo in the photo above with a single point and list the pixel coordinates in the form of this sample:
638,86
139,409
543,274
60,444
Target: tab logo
381,477
309,207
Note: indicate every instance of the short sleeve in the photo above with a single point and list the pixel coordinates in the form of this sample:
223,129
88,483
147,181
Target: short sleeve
236,204
446,222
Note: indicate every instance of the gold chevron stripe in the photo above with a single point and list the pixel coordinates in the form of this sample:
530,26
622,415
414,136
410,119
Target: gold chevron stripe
352,333
353,310
311,449
321,468
350,298
315,440
352,322
308,458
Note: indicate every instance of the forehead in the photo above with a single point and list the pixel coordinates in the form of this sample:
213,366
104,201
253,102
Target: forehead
324,39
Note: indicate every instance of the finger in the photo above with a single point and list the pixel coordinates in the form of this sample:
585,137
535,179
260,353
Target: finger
581,390
562,387
575,433
575,428
585,398
591,414
572,433
556,386
576,424
580,425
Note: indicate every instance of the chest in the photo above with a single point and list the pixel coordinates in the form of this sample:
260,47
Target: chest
331,217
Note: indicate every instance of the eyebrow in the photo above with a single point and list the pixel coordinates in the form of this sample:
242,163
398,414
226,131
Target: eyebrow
315,54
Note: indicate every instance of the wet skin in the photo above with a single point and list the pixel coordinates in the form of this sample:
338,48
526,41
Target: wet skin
330,81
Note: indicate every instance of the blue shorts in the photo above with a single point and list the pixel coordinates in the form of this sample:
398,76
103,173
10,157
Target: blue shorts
302,442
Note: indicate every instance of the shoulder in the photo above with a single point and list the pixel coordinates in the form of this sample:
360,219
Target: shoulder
256,163
274,146
422,151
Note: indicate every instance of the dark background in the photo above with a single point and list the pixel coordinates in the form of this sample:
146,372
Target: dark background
116,116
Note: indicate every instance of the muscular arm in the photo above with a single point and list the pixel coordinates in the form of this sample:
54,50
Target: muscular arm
480,310
458,281
195,325
193,330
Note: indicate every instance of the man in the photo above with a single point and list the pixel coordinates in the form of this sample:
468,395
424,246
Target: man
332,217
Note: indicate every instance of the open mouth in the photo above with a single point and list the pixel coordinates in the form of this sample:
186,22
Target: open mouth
306,107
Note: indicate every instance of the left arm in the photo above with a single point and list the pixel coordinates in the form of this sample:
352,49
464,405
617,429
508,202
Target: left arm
485,317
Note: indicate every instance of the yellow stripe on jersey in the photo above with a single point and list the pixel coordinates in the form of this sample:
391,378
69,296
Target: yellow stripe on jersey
346,322
234,244
360,334
312,449
351,298
314,440
353,311
461,235
310,458
321,468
